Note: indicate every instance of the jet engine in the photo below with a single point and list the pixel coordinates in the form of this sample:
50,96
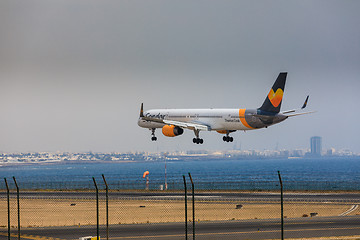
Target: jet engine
172,131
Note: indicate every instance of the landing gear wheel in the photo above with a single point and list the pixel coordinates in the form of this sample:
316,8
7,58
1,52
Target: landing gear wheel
228,139
198,140
153,138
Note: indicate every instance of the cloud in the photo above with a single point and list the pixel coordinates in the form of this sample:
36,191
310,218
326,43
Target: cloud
73,73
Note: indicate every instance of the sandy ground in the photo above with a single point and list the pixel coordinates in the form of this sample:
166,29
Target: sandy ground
63,212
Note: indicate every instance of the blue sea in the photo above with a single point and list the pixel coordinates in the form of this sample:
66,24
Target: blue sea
249,174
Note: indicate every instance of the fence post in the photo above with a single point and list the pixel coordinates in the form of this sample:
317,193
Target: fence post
18,205
193,204
97,209
8,207
107,207
282,207
186,229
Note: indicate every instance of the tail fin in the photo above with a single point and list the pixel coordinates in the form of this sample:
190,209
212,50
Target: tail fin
273,100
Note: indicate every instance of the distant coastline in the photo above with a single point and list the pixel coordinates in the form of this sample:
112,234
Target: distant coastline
42,158
252,173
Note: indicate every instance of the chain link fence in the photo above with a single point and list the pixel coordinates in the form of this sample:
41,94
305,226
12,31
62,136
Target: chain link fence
43,205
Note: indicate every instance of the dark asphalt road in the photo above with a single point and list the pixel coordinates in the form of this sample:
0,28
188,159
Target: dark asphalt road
253,229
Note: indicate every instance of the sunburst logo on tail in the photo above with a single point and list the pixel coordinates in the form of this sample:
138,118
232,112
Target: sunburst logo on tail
275,97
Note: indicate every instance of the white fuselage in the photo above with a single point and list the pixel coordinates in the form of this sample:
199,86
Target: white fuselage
216,119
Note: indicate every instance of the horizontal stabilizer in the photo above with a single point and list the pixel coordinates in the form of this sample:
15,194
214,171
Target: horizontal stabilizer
297,114
294,110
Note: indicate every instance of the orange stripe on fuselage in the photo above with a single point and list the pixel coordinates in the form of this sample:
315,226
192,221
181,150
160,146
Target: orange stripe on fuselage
242,118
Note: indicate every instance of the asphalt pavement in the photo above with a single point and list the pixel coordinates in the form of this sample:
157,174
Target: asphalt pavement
247,229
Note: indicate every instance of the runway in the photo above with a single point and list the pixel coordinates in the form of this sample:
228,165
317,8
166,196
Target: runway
237,229
250,229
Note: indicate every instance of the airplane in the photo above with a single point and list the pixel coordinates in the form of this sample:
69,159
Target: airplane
224,121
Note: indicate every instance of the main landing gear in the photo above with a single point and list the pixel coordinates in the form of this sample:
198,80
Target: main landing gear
227,138
197,140
153,138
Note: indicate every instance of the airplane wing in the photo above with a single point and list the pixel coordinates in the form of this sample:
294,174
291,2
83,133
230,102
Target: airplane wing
188,125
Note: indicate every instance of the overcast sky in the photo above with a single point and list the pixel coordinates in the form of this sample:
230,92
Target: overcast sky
74,73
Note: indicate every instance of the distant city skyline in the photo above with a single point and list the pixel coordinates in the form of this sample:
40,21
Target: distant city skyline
316,146
314,149
73,74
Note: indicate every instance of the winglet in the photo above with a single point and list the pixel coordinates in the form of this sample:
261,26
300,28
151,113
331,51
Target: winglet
305,103
142,110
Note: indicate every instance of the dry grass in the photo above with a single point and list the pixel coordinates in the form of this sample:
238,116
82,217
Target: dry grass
59,212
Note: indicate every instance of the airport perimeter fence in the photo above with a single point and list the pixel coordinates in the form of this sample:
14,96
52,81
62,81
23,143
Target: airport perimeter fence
106,202
251,185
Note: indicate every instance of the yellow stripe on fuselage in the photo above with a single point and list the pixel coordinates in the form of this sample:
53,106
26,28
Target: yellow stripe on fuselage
242,118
